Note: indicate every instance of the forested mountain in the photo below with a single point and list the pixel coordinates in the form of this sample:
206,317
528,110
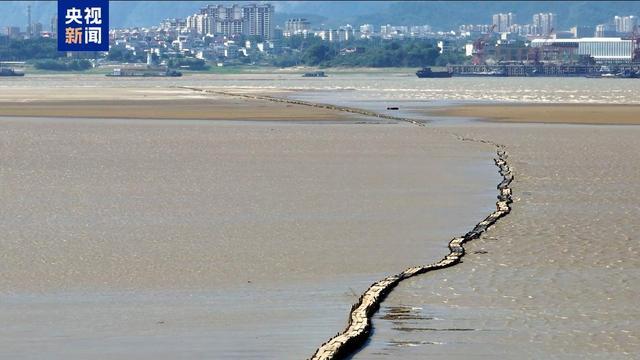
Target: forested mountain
449,14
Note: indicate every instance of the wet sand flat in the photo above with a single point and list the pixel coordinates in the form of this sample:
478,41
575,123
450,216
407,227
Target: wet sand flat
557,278
190,109
547,113
165,239
148,103
155,237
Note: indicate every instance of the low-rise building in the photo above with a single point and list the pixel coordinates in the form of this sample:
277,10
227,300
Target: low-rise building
611,49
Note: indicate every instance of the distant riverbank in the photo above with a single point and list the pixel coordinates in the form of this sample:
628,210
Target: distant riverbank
239,69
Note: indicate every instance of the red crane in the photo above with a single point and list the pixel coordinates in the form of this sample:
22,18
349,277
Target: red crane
479,45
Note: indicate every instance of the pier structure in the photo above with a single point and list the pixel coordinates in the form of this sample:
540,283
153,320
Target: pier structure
552,69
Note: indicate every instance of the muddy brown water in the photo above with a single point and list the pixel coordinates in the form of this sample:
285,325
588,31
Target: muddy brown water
166,239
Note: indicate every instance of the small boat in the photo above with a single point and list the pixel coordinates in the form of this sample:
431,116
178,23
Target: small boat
601,76
626,74
314,74
428,73
10,72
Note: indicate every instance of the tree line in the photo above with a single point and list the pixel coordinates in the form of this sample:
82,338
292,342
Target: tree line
295,50
365,53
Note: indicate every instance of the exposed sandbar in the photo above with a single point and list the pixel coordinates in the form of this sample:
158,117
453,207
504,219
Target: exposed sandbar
547,113
150,103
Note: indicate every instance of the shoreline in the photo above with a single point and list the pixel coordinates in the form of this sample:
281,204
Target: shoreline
247,106
222,121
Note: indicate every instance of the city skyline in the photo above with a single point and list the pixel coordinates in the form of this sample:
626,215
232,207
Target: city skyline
249,32
260,19
144,14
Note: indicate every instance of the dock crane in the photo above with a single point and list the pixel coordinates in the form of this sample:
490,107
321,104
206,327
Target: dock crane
546,45
479,46
536,52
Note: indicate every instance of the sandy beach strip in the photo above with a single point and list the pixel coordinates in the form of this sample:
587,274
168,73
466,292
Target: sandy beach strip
546,113
150,103
178,109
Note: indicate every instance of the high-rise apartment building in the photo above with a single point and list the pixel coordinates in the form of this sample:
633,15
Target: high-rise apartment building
503,22
605,30
386,30
54,26
296,27
366,30
251,19
544,23
12,31
258,20
625,24
224,20
200,23
36,29
346,33
29,24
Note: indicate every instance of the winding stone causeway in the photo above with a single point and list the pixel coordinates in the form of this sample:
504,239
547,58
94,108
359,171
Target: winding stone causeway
359,326
306,103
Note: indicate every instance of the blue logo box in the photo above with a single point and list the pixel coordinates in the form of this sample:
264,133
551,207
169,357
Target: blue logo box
83,25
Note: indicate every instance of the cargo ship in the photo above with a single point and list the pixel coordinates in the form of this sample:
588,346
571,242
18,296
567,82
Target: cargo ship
428,73
315,74
144,72
10,72
626,71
